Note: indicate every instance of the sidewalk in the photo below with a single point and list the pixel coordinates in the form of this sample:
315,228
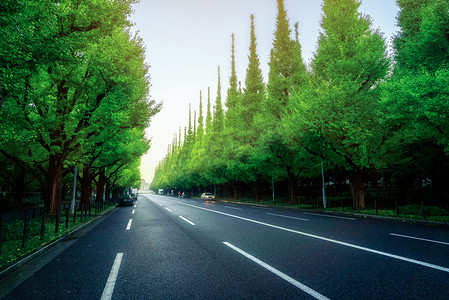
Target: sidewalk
20,270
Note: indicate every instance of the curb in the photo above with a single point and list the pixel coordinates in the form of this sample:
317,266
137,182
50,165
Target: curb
27,258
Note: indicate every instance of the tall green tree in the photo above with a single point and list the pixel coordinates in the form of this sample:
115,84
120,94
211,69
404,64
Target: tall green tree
337,113
83,65
415,99
287,74
254,91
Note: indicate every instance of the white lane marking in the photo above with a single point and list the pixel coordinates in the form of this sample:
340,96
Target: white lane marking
230,207
287,278
259,207
190,222
135,205
133,211
289,217
128,227
328,216
440,268
417,238
168,209
159,204
109,287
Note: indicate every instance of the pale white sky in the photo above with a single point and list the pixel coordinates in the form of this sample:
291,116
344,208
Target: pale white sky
186,40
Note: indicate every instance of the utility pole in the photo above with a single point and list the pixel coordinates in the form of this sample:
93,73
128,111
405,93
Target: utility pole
72,204
324,187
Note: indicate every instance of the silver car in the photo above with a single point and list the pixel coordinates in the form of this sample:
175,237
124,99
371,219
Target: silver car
207,196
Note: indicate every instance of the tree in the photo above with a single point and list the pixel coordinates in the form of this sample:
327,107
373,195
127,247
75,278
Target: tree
415,99
287,74
82,66
337,113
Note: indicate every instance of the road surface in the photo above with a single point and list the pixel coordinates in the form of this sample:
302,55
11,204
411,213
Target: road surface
174,248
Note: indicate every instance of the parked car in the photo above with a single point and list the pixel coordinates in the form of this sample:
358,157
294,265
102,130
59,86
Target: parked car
206,196
126,200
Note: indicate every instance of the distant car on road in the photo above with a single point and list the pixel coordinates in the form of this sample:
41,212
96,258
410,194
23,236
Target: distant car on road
126,200
206,196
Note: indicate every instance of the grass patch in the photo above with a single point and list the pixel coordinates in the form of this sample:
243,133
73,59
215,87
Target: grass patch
12,236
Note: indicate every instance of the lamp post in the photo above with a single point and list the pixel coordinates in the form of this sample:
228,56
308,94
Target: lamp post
72,204
324,187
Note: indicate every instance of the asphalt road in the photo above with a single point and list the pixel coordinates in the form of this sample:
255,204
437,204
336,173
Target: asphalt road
171,248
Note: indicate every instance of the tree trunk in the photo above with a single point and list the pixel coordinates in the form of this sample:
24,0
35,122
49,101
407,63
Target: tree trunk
236,191
86,187
108,191
100,184
258,191
54,186
292,192
358,188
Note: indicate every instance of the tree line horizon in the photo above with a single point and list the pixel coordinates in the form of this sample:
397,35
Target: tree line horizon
366,115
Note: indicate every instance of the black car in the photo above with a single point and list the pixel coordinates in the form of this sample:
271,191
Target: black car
126,201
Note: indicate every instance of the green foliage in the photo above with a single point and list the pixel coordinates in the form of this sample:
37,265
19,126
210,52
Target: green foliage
351,107
74,81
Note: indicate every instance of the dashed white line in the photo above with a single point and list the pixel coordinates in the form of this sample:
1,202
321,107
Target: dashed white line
133,211
413,261
128,227
328,216
417,238
230,207
259,207
110,283
289,217
188,221
168,209
287,278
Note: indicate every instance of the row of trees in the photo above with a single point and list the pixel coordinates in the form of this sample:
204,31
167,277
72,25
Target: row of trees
362,112
73,93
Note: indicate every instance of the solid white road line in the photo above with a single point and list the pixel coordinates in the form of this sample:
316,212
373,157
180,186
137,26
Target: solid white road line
289,217
168,209
417,238
328,216
287,278
133,211
109,287
414,261
128,227
230,207
190,222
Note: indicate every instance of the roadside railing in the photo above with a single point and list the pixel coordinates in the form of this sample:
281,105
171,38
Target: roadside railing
27,229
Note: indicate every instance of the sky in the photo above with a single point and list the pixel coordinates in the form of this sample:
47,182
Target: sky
186,41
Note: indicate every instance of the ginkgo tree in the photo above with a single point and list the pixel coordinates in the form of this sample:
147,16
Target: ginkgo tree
337,112
82,74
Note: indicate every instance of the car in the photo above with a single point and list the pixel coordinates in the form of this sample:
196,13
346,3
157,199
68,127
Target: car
206,196
126,200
